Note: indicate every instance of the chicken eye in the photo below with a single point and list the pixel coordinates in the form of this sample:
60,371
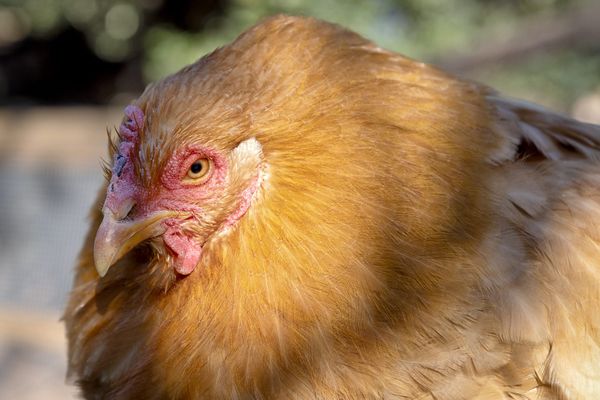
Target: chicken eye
198,171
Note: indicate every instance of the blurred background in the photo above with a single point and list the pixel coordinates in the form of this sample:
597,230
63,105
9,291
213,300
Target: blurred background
68,67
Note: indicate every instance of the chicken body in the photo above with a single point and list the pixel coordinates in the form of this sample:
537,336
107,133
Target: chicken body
378,229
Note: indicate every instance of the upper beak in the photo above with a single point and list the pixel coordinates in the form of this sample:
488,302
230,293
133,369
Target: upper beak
117,235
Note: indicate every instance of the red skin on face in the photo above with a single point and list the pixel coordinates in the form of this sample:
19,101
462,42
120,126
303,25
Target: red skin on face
175,194
183,197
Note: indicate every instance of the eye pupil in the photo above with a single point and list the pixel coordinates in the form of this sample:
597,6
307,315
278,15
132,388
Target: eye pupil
199,171
196,167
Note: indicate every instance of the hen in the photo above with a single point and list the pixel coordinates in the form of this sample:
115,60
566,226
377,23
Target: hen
304,215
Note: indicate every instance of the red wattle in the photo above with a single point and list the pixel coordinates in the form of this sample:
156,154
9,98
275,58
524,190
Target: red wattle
187,252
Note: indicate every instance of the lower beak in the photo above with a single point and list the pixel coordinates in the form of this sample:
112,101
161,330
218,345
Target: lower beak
115,237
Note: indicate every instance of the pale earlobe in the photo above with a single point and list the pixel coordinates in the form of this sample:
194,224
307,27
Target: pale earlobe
248,150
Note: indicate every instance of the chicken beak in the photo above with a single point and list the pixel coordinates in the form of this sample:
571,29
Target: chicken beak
116,237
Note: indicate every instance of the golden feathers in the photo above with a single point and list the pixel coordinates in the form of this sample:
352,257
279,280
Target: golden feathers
417,236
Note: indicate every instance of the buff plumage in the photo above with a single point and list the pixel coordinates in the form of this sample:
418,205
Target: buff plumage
412,235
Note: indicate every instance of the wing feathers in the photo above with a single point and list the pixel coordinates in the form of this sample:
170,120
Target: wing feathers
542,133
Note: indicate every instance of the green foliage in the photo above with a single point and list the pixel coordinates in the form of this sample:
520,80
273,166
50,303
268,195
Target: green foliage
110,26
425,29
555,79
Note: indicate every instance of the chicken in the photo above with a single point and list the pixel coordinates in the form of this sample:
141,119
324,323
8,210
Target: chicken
304,215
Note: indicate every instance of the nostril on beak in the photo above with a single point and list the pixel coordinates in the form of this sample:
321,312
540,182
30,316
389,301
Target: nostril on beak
130,214
123,210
